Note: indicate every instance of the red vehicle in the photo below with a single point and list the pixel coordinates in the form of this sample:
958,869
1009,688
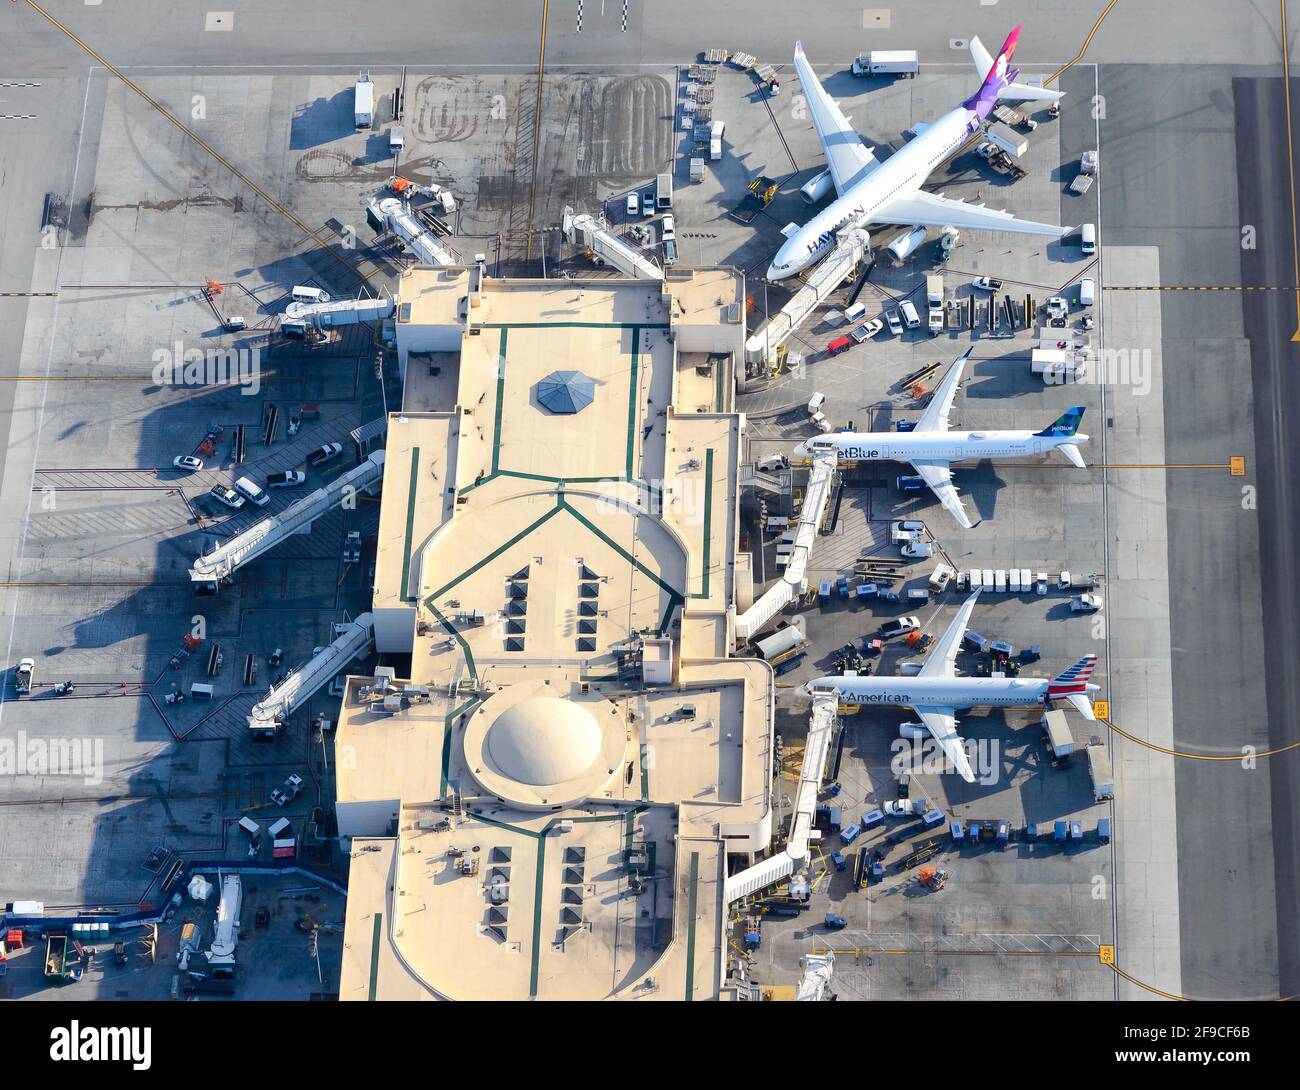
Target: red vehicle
838,345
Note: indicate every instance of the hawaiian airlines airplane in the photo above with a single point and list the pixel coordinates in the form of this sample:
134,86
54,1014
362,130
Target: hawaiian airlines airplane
870,191
930,446
936,693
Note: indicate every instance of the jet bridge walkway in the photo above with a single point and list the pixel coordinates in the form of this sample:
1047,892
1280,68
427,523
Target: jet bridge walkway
793,581
265,535
607,246
351,639
795,855
829,274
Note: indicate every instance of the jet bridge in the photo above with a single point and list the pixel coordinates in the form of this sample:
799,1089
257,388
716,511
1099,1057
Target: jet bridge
335,313
795,856
607,246
828,275
351,639
793,582
396,215
265,535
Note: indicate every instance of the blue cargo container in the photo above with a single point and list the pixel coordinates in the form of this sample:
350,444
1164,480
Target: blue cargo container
973,832
824,592
931,818
1060,832
1103,830
838,859
1001,647
958,832
842,587
834,818
973,641
872,818
1076,830
849,835
1033,831
866,591
1002,833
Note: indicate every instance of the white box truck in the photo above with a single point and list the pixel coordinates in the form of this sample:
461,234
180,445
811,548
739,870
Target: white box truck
1059,739
782,640
934,300
1103,780
364,109
887,62
663,192
715,141
1006,138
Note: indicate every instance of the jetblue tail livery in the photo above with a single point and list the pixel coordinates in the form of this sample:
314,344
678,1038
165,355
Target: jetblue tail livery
931,447
937,693
869,191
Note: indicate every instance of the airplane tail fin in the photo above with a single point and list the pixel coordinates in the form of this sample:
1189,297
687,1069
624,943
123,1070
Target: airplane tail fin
999,76
1072,686
1064,425
1012,92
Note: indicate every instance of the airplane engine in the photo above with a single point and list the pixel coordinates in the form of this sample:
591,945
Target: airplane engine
819,187
910,669
913,731
906,244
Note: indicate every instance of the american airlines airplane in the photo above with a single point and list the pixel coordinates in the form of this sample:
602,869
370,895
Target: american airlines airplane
930,447
936,693
890,192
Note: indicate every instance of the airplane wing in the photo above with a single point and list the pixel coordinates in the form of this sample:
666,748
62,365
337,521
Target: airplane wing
1012,92
942,724
941,662
935,417
922,209
939,477
848,158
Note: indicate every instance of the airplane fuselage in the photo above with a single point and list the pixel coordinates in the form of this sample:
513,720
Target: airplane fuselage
902,173
938,692
947,446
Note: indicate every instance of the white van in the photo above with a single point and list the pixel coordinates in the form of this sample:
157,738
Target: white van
303,294
667,231
1088,238
252,490
1087,291
910,318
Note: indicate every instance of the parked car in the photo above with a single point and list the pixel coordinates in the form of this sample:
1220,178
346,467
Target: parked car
633,203
667,231
895,322
899,625
285,479
228,496
321,455
188,463
904,807
908,526
648,202
254,491
287,791
987,283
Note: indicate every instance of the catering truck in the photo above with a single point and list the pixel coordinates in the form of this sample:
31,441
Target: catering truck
1103,780
782,640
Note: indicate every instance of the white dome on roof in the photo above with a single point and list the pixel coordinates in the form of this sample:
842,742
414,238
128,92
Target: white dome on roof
544,740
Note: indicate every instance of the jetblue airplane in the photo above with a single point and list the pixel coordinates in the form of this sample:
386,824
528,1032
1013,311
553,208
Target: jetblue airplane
890,192
930,446
936,693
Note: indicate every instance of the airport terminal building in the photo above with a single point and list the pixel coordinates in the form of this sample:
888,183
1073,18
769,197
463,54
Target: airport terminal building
545,808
